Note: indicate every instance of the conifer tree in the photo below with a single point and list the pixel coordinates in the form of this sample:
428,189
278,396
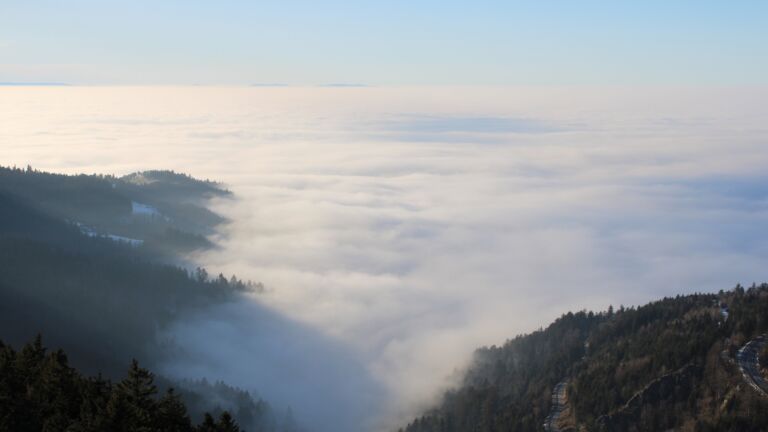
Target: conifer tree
227,423
40,392
58,392
172,414
117,415
208,424
289,422
137,392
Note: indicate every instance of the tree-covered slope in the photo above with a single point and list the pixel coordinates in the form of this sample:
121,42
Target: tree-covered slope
668,365
162,212
100,297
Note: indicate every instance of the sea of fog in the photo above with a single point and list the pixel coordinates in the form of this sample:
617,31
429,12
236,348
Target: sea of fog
396,229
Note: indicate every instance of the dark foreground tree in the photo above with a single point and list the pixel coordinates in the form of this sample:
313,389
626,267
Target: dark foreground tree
39,391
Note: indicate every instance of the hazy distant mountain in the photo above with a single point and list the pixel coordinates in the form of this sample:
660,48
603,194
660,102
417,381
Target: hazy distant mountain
33,84
344,85
686,363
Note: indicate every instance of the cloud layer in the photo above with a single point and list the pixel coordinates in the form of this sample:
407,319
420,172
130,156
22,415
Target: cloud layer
397,229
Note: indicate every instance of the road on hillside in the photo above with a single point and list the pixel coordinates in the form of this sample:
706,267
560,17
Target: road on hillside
749,364
559,404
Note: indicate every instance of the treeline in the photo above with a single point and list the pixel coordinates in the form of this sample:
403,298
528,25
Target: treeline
84,198
39,391
672,359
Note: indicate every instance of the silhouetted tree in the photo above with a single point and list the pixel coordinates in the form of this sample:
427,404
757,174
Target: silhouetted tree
227,423
172,414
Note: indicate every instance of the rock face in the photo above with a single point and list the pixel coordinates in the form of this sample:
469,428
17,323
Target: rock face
668,387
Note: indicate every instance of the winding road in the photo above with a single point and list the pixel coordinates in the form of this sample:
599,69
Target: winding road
559,405
750,366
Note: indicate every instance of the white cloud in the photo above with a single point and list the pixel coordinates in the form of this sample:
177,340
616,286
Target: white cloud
405,245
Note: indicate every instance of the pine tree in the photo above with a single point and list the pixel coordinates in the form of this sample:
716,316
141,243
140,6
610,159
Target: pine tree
29,408
137,392
117,416
30,359
208,424
289,422
58,389
95,396
227,423
11,387
42,393
172,414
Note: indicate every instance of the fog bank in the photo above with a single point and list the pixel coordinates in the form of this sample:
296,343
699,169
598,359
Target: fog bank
396,229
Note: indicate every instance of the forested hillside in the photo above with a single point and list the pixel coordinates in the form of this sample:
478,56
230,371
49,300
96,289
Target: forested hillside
669,365
59,280
88,262
39,391
161,212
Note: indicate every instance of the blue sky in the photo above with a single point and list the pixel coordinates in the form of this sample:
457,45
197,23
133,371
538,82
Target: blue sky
665,42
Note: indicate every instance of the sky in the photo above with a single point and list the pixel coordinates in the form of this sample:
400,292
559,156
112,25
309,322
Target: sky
296,42
398,229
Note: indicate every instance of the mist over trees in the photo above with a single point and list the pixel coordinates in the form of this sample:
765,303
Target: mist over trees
87,262
59,281
668,365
